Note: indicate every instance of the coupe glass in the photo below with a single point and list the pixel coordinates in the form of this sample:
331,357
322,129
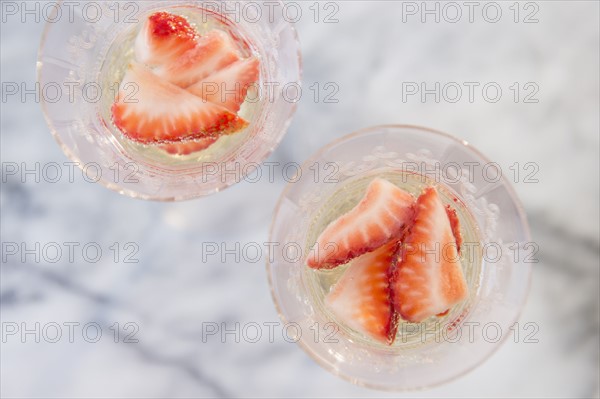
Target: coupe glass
498,288
72,65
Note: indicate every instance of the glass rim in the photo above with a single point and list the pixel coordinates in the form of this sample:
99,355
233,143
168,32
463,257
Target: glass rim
320,360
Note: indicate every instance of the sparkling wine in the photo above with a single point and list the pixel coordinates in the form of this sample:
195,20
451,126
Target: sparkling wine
121,53
320,282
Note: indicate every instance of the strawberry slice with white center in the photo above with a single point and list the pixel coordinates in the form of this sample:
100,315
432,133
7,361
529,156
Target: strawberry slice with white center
150,110
163,38
212,52
379,217
361,297
428,279
229,86
189,147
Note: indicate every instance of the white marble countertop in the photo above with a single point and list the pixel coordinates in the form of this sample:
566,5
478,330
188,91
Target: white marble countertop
170,293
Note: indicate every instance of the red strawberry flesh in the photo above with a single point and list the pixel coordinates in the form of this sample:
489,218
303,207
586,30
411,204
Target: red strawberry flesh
455,225
164,38
189,147
151,110
428,279
361,297
379,217
228,87
212,52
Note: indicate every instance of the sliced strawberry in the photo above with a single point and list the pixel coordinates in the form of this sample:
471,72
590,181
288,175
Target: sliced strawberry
213,52
361,297
455,225
228,87
163,39
428,279
150,110
189,147
380,216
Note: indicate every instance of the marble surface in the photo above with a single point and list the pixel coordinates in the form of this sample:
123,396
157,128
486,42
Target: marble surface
170,294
